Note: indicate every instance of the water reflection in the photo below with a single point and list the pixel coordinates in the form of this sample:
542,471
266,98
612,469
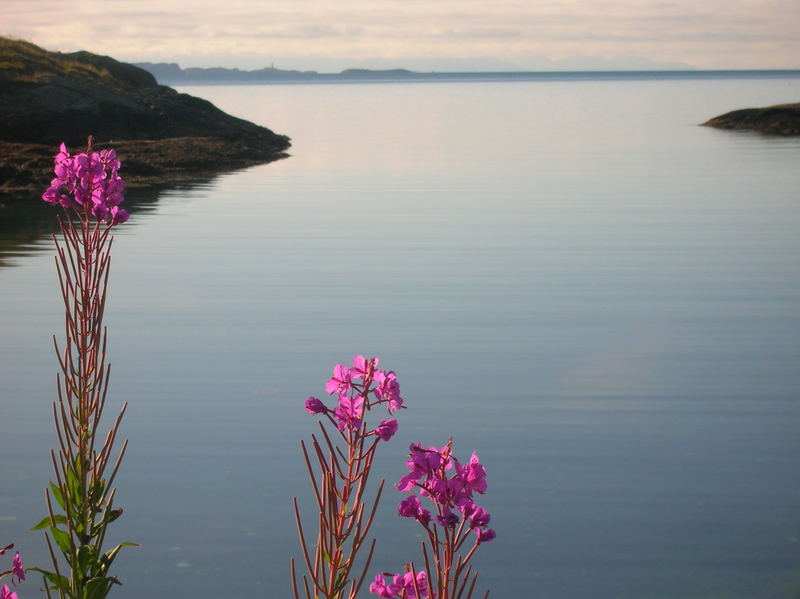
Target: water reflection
26,222
603,304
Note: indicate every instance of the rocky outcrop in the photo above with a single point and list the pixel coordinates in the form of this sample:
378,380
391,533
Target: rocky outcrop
783,119
159,134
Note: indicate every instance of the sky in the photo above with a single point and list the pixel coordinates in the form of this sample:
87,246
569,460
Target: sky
426,35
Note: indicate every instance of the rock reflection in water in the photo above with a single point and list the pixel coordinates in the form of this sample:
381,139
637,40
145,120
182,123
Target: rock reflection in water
27,222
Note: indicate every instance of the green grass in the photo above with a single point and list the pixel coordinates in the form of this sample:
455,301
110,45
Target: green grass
25,62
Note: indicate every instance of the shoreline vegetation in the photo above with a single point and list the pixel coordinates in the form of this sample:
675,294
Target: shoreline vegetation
781,119
161,135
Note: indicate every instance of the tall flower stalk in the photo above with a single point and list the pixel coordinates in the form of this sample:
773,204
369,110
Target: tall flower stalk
339,467
80,501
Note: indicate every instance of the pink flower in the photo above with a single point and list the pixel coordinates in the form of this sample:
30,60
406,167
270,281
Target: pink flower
315,406
340,382
479,518
17,568
388,390
410,507
381,589
5,593
88,181
473,475
386,429
363,368
118,215
484,536
448,519
405,585
421,463
349,413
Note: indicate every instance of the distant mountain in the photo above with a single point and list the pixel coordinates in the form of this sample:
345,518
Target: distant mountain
50,97
171,73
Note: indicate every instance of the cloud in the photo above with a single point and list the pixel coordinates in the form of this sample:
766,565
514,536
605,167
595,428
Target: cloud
708,33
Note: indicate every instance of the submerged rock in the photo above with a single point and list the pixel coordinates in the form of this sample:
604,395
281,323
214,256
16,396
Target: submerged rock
159,134
783,119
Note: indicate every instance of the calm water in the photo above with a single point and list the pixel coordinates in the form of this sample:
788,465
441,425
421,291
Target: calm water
570,277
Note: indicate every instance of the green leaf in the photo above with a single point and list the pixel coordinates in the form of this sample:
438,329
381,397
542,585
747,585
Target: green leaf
57,495
62,539
58,582
97,588
96,493
72,485
45,522
107,559
87,559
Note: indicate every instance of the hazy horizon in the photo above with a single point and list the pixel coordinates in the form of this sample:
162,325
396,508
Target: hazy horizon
422,65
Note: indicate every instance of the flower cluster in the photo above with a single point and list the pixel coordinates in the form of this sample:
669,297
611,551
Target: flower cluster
403,586
88,182
452,494
358,389
449,485
17,573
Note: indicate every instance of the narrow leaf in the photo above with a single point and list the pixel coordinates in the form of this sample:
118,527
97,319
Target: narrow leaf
61,538
57,494
46,522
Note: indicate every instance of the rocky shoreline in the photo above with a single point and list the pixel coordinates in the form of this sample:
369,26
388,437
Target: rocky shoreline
782,119
27,167
160,135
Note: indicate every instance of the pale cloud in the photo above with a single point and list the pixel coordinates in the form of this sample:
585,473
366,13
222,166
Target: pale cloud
249,33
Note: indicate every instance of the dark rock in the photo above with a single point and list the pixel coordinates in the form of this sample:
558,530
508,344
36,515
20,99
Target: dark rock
47,98
783,119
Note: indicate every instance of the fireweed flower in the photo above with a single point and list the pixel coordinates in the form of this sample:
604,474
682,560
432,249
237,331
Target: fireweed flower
407,581
479,518
411,507
448,519
5,593
339,468
421,463
88,182
352,387
88,187
484,536
340,382
388,390
474,475
363,368
402,586
315,406
18,569
449,485
386,429
349,413
381,589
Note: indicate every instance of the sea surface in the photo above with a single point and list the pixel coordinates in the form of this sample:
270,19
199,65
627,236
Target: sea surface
569,277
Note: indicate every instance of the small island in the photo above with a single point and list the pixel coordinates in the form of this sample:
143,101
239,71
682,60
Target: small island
783,119
160,135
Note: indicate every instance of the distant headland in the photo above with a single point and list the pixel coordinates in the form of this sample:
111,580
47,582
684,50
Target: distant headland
160,135
783,119
170,73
